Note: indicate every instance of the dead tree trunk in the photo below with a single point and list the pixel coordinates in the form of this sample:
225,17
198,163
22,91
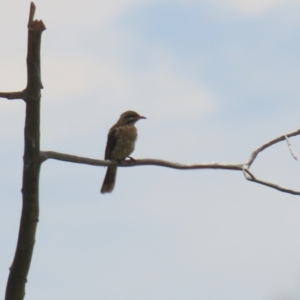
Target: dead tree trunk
15,289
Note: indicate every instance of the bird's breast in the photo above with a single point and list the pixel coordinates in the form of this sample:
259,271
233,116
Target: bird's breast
125,142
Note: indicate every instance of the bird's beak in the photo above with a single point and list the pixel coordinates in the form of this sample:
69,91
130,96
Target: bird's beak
141,117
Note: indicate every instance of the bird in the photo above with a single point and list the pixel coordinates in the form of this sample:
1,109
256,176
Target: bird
120,144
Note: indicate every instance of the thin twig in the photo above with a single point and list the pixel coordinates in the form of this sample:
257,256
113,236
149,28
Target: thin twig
290,147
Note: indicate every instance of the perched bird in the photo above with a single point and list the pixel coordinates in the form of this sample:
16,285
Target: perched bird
120,144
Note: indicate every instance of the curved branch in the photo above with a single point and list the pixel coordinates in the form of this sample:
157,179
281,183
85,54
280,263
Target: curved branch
268,144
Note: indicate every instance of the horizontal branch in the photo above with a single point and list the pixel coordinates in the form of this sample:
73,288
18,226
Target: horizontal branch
139,162
244,167
13,95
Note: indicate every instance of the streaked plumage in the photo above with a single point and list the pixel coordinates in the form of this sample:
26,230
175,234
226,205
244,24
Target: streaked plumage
120,144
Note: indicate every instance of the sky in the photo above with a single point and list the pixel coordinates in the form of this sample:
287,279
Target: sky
215,79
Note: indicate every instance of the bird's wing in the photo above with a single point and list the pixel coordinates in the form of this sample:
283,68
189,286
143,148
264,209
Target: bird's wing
111,142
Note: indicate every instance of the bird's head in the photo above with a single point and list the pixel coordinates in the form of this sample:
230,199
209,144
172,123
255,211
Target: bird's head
130,117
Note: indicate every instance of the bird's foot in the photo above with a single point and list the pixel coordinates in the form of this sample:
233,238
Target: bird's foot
131,159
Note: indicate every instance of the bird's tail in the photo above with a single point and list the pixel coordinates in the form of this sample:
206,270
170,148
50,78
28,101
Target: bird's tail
109,180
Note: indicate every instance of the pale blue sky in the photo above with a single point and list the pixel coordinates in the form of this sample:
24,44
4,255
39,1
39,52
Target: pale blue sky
215,79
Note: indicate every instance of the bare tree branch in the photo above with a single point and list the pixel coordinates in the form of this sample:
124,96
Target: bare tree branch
244,167
138,162
13,95
252,178
268,144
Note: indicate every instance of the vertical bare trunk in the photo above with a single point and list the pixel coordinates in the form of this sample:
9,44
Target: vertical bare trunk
19,269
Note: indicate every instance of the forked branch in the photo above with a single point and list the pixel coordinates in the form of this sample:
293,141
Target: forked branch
269,144
243,167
